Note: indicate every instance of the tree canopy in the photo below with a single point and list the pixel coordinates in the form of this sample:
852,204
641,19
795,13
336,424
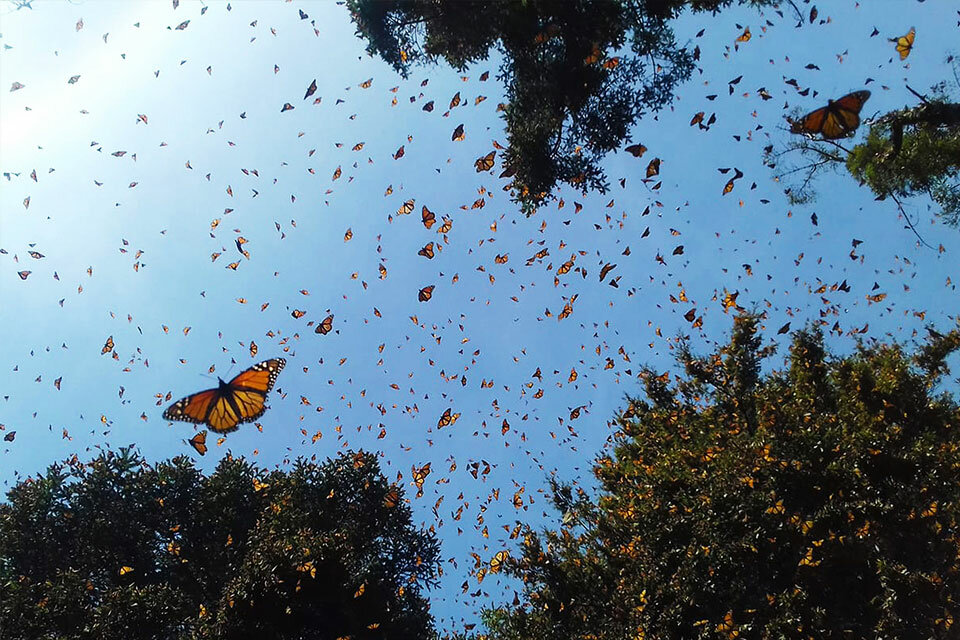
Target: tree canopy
818,501
578,75
120,549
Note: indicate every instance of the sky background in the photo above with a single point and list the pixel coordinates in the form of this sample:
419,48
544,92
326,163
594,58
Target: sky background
214,148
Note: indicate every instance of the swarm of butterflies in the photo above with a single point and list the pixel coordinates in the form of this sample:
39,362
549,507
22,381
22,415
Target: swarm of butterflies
243,398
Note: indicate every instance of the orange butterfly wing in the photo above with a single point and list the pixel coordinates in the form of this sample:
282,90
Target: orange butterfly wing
194,408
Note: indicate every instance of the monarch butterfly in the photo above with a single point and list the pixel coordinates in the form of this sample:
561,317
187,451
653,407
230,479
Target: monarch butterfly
240,400
392,498
496,563
458,134
405,208
429,217
107,346
427,251
447,419
745,36
326,326
653,168
838,119
428,107
199,442
286,107
905,43
455,101
636,150
425,294
486,162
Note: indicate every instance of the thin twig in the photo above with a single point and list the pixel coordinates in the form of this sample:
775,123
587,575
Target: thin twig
923,98
909,222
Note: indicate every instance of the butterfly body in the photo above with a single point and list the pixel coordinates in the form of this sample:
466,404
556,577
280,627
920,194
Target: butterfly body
223,408
838,119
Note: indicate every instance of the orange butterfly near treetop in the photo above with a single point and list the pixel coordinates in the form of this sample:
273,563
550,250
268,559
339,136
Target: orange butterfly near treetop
838,119
243,399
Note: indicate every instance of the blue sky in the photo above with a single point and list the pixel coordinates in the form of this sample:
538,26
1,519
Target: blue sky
212,95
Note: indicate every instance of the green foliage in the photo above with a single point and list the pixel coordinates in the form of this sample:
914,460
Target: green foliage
914,151
119,549
578,74
819,501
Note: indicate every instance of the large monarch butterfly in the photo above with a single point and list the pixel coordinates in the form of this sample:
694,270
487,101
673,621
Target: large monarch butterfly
243,399
838,119
427,251
905,43
406,208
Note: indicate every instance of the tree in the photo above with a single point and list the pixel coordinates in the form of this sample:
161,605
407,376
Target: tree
578,74
120,549
819,501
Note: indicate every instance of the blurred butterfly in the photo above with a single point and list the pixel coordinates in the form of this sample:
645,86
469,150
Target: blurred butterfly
496,564
458,134
429,217
199,442
636,150
312,89
905,43
425,294
286,107
392,498
107,346
426,251
836,120
653,168
448,418
326,326
243,399
406,208
486,162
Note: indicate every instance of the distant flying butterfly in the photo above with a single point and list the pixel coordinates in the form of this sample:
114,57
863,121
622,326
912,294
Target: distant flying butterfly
326,326
243,399
199,442
838,119
486,162
905,43
429,217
